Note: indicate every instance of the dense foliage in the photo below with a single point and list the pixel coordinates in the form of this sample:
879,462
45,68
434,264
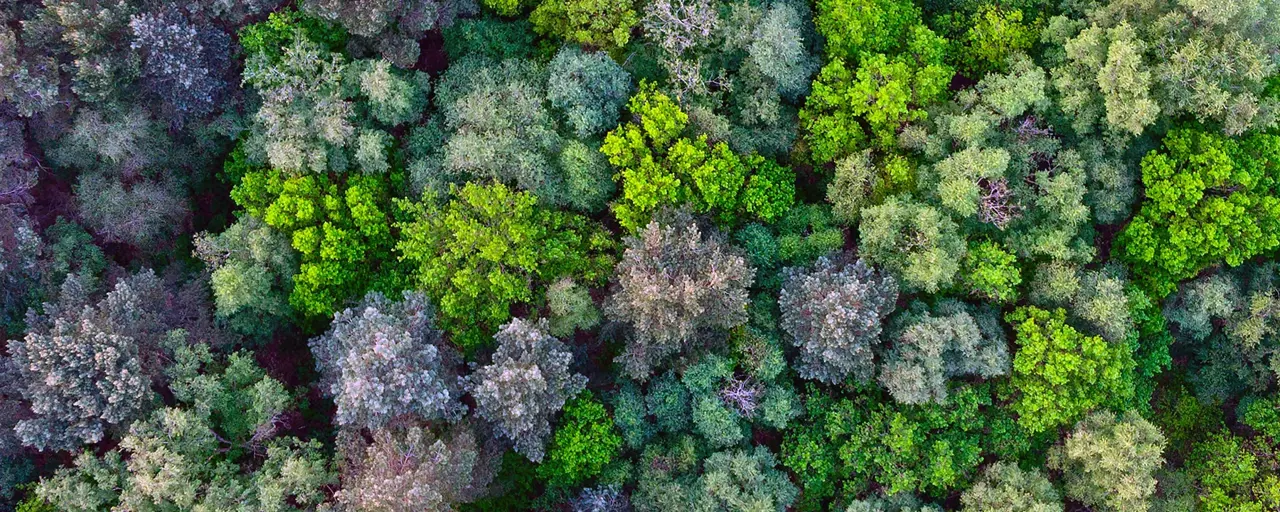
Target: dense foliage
640,255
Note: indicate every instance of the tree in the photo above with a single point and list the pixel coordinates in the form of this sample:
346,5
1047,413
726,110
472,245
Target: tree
1209,199
860,182
588,178
526,384
392,27
124,144
1109,462
500,126
900,502
601,499
30,77
1228,475
1007,487
251,273
83,363
1228,320
854,29
720,399
678,28
524,247
917,243
833,314
183,63
384,359
199,454
589,88
604,24
413,468
1060,374
20,245
584,443
845,445
1125,64
931,345
985,38
885,92
304,122
658,168
272,36
1000,171
990,272
672,282
144,214
571,308
802,235
340,228
746,480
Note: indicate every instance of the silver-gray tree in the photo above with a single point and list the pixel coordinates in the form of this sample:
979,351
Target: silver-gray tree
833,313
528,381
383,359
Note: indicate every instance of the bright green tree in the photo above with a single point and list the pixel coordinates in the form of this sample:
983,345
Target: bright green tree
658,167
1060,374
1209,199
341,228
604,24
885,92
490,247
582,445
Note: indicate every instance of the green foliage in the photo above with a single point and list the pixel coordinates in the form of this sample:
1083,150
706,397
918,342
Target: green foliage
1210,199
985,38
188,457
71,252
746,480
731,480
582,445
917,243
271,36
991,164
1123,65
506,8
932,345
861,27
604,24
490,247
571,308
884,92
588,178
990,272
1005,487
252,275
1060,374
721,399
1229,476
1109,462
489,37
340,228
658,168
860,182
499,126
1229,322
589,88
844,445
